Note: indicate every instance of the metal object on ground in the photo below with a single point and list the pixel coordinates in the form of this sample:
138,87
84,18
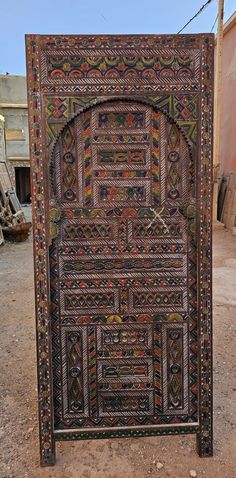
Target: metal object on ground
121,156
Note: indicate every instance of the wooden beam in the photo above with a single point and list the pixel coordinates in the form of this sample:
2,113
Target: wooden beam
217,105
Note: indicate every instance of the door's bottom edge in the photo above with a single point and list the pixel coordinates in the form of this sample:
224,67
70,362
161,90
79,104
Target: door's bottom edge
86,434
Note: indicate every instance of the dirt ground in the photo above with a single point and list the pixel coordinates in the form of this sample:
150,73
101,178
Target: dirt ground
160,457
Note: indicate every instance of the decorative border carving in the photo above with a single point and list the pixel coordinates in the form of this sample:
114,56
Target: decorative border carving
204,231
41,244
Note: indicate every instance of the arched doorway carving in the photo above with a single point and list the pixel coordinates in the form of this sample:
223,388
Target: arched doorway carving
122,179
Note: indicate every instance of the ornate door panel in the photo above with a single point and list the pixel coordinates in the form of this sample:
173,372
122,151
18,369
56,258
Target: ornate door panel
123,278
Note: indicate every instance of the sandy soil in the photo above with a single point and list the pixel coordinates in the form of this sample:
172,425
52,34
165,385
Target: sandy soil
141,457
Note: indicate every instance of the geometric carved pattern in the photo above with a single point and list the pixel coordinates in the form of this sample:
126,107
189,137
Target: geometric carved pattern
122,194
97,231
68,164
90,300
123,371
103,300
185,108
132,265
122,119
173,66
120,157
175,349
75,384
88,231
175,369
119,404
157,299
123,337
156,230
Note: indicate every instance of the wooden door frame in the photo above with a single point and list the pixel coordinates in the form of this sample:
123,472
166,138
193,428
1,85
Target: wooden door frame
35,44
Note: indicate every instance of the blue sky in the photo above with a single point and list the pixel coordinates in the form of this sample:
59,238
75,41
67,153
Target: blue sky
96,16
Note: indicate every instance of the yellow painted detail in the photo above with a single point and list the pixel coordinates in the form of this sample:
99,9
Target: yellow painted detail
114,318
175,317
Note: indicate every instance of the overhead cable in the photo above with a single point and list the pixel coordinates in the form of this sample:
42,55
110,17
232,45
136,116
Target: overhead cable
196,15
214,23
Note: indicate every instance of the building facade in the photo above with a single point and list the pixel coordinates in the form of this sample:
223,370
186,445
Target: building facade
14,111
228,98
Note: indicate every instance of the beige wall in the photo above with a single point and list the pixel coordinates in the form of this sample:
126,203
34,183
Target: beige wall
228,111
13,106
13,90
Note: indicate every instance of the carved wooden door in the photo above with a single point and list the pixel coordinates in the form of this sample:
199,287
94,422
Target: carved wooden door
123,332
